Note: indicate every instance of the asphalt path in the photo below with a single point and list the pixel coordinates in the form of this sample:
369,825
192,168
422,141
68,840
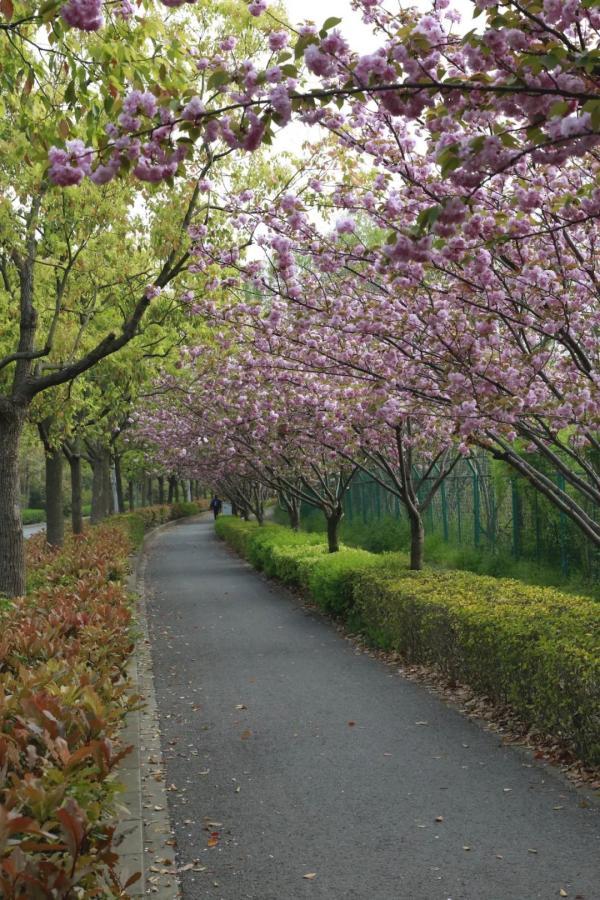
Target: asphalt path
30,530
293,754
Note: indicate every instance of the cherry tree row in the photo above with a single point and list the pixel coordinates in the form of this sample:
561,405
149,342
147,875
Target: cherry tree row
437,255
400,353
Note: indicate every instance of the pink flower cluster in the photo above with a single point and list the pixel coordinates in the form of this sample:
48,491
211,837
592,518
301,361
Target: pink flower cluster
68,167
83,14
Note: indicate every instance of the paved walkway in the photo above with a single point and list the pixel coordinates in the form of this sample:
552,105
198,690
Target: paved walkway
295,755
30,530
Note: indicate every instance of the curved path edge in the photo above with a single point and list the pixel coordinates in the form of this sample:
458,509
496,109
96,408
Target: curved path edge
144,837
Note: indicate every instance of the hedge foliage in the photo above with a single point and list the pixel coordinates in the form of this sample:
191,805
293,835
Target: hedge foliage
64,691
533,648
33,516
139,521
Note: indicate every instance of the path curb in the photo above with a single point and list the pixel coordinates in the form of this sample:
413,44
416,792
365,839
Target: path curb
144,837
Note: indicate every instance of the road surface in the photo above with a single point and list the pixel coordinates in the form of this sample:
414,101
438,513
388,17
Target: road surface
30,530
295,755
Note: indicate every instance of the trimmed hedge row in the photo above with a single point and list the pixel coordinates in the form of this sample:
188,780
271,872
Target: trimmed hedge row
33,516
533,648
64,692
146,517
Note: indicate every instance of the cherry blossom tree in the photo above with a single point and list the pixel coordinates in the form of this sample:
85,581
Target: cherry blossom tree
493,329
523,84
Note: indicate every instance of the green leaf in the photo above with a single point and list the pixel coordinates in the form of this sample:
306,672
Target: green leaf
560,108
331,22
218,78
428,217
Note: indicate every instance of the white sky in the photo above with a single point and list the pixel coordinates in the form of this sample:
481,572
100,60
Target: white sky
352,26
359,36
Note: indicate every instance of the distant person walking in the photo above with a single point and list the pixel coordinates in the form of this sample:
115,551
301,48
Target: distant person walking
216,505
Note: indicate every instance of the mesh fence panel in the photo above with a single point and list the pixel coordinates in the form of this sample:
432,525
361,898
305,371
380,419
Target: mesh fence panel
496,513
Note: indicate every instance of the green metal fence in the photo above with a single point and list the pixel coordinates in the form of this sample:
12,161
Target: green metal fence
497,513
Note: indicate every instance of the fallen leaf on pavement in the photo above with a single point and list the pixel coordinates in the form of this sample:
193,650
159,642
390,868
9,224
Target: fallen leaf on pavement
439,818
310,875
466,848
421,723
563,893
213,839
351,723
241,706
245,734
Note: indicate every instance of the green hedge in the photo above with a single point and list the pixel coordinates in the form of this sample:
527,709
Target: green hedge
146,517
33,516
533,648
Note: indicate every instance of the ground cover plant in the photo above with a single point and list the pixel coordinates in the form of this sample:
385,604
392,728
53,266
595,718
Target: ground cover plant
64,691
533,648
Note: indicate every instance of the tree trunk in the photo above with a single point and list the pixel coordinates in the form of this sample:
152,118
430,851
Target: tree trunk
333,528
119,484
55,516
294,516
76,510
292,506
110,485
101,487
417,539
131,493
234,508
161,489
176,491
171,494
12,551
144,499
188,490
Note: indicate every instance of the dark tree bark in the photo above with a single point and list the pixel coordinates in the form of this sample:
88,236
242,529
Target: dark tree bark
172,485
119,483
76,505
72,452
110,491
101,486
55,517
234,508
131,494
333,519
176,491
12,552
292,506
144,497
53,458
161,489
417,539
